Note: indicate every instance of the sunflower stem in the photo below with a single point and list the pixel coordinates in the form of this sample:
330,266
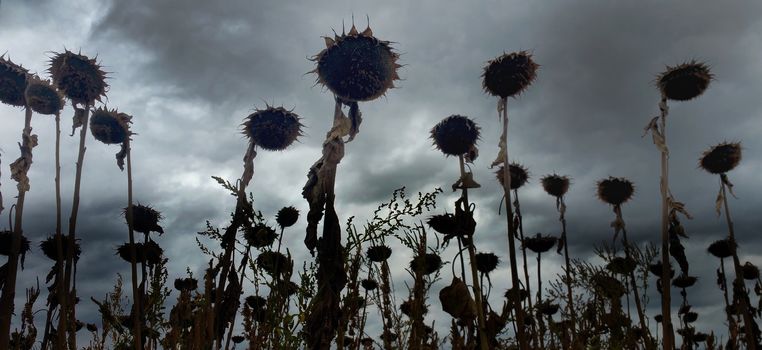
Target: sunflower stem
518,310
738,284
668,342
633,282
136,291
9,290
570,298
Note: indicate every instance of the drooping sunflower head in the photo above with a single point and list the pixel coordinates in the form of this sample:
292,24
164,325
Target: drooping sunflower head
555,185
79,77
722,248
519,175
110,126
455,135
486,262
615,190
357,66
13,82
426,264
145,219
509,74
685,81
540,243
260,236
273,128
379,253
42,97
287,216
721,158
369,284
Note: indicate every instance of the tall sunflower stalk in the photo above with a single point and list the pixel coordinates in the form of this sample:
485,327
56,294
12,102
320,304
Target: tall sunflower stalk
83,82
356,67
719,160
506,76
680,83
13,84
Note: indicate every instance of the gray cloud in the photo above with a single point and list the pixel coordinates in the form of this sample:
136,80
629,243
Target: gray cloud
190,71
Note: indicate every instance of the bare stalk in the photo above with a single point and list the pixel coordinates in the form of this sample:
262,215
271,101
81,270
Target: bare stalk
9,290
136,291
519,311
738,284
570,302
474,273
633,282
668,333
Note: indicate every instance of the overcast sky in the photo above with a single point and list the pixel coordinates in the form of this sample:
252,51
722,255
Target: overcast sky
189,71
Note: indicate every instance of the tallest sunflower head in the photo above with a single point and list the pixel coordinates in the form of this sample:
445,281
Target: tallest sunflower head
509,74
79,77
357,66
685,81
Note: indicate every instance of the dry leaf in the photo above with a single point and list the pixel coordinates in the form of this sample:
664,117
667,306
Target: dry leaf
718,202
248,165
78,120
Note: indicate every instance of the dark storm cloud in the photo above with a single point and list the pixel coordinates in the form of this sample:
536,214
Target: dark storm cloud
190,71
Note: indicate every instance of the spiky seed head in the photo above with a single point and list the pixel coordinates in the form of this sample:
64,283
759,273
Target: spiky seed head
110,126
750,271
187,284
357,66
260,236
407,308
272,128
6,241
656,268
722,248
79,77
684,281
145,219
555,185
379,253
13,83
455,135
274,263
369,284
237,339
49,247
42,97
516,294
622,265
256,302
287,216
608,286
519,175
721,158
124,252
685,81
426,264
486,262
547,308
540,243
509,74
690,317
658,318
445,224
615,190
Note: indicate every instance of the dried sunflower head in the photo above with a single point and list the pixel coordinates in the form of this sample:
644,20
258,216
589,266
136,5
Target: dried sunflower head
260,236
455,135
684,281
407,308
622,265
555,185
540,243
186,284
274,263
287,216
273,128
369,284
426,264
42,97
80,78
547,308
509,74
256,302
445,224
721,158
722,248
516,294
519,175
49,247
656,268
13,83
685,81
110,126
750,271
615,190
357,66
486,262
124,252
6,240
379,253
608,286
145,219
